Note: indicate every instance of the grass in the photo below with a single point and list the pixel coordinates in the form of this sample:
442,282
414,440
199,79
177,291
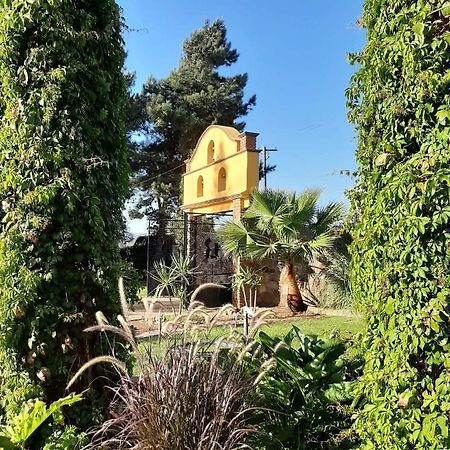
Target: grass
336,328
342,328
323,326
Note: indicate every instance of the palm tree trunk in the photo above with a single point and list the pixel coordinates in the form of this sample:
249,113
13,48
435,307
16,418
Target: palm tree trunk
294,298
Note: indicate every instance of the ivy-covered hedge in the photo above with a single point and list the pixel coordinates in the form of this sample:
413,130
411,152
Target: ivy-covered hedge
63,179
400,102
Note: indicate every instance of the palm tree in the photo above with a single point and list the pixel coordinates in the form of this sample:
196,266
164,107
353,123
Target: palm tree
287,227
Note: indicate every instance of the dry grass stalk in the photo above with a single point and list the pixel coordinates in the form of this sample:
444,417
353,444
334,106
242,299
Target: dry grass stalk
123,298
191,398
98,360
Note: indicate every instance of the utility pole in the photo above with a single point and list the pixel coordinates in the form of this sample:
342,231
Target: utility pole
148,258
265,152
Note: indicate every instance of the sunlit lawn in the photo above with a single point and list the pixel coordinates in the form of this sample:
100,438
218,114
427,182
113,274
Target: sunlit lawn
338,328
324,326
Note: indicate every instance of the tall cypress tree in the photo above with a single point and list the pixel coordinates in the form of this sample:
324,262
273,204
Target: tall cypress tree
400,102
63,179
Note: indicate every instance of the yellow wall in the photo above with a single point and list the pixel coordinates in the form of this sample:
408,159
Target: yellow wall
241,169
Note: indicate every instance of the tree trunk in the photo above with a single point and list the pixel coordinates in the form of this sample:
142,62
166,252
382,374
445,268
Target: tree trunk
293,298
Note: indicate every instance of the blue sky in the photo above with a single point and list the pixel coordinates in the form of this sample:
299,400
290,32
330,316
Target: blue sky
295,53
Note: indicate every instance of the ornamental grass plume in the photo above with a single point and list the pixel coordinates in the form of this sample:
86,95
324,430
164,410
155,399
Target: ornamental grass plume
197,395
187,400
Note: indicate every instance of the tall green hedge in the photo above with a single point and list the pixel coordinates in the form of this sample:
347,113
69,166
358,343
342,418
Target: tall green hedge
63,179
400,102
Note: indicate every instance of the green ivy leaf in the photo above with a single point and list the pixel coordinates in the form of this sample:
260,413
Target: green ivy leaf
418,29
390,306
382,159
442,424
446,9
443,115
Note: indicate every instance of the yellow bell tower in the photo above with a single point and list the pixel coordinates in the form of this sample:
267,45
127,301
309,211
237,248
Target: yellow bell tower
222,172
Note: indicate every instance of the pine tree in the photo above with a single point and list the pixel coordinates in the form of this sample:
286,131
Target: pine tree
63,179
178,109
400,103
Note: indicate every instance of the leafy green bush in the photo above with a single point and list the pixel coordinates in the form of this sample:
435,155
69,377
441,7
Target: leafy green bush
23,427
63,178
400,102
306,390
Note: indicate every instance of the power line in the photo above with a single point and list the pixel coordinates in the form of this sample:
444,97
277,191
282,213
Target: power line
161,174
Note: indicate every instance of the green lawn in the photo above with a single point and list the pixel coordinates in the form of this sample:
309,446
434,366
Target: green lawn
339,328
324,326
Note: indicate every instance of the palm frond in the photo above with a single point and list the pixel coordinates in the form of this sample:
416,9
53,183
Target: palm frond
328,215
308,199
304,208
267,208
261,250
280,225
234,238
322,241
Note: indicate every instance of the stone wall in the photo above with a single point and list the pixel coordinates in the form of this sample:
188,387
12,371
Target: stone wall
273,292
269,292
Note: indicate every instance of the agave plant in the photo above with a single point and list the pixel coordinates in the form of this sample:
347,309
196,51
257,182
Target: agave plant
247,280
174,280
287,227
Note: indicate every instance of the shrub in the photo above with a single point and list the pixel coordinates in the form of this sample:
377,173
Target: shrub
63,178
67,438
400,102
191,396
23,427
332,296
175,280
305,395
186,399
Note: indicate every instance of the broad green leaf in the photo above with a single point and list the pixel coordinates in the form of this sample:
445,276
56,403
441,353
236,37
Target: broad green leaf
6,443
382,159
418,28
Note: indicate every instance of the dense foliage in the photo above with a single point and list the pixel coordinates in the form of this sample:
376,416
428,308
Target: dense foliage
174,113
23,428
286,227
400,102
305,394
63,178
